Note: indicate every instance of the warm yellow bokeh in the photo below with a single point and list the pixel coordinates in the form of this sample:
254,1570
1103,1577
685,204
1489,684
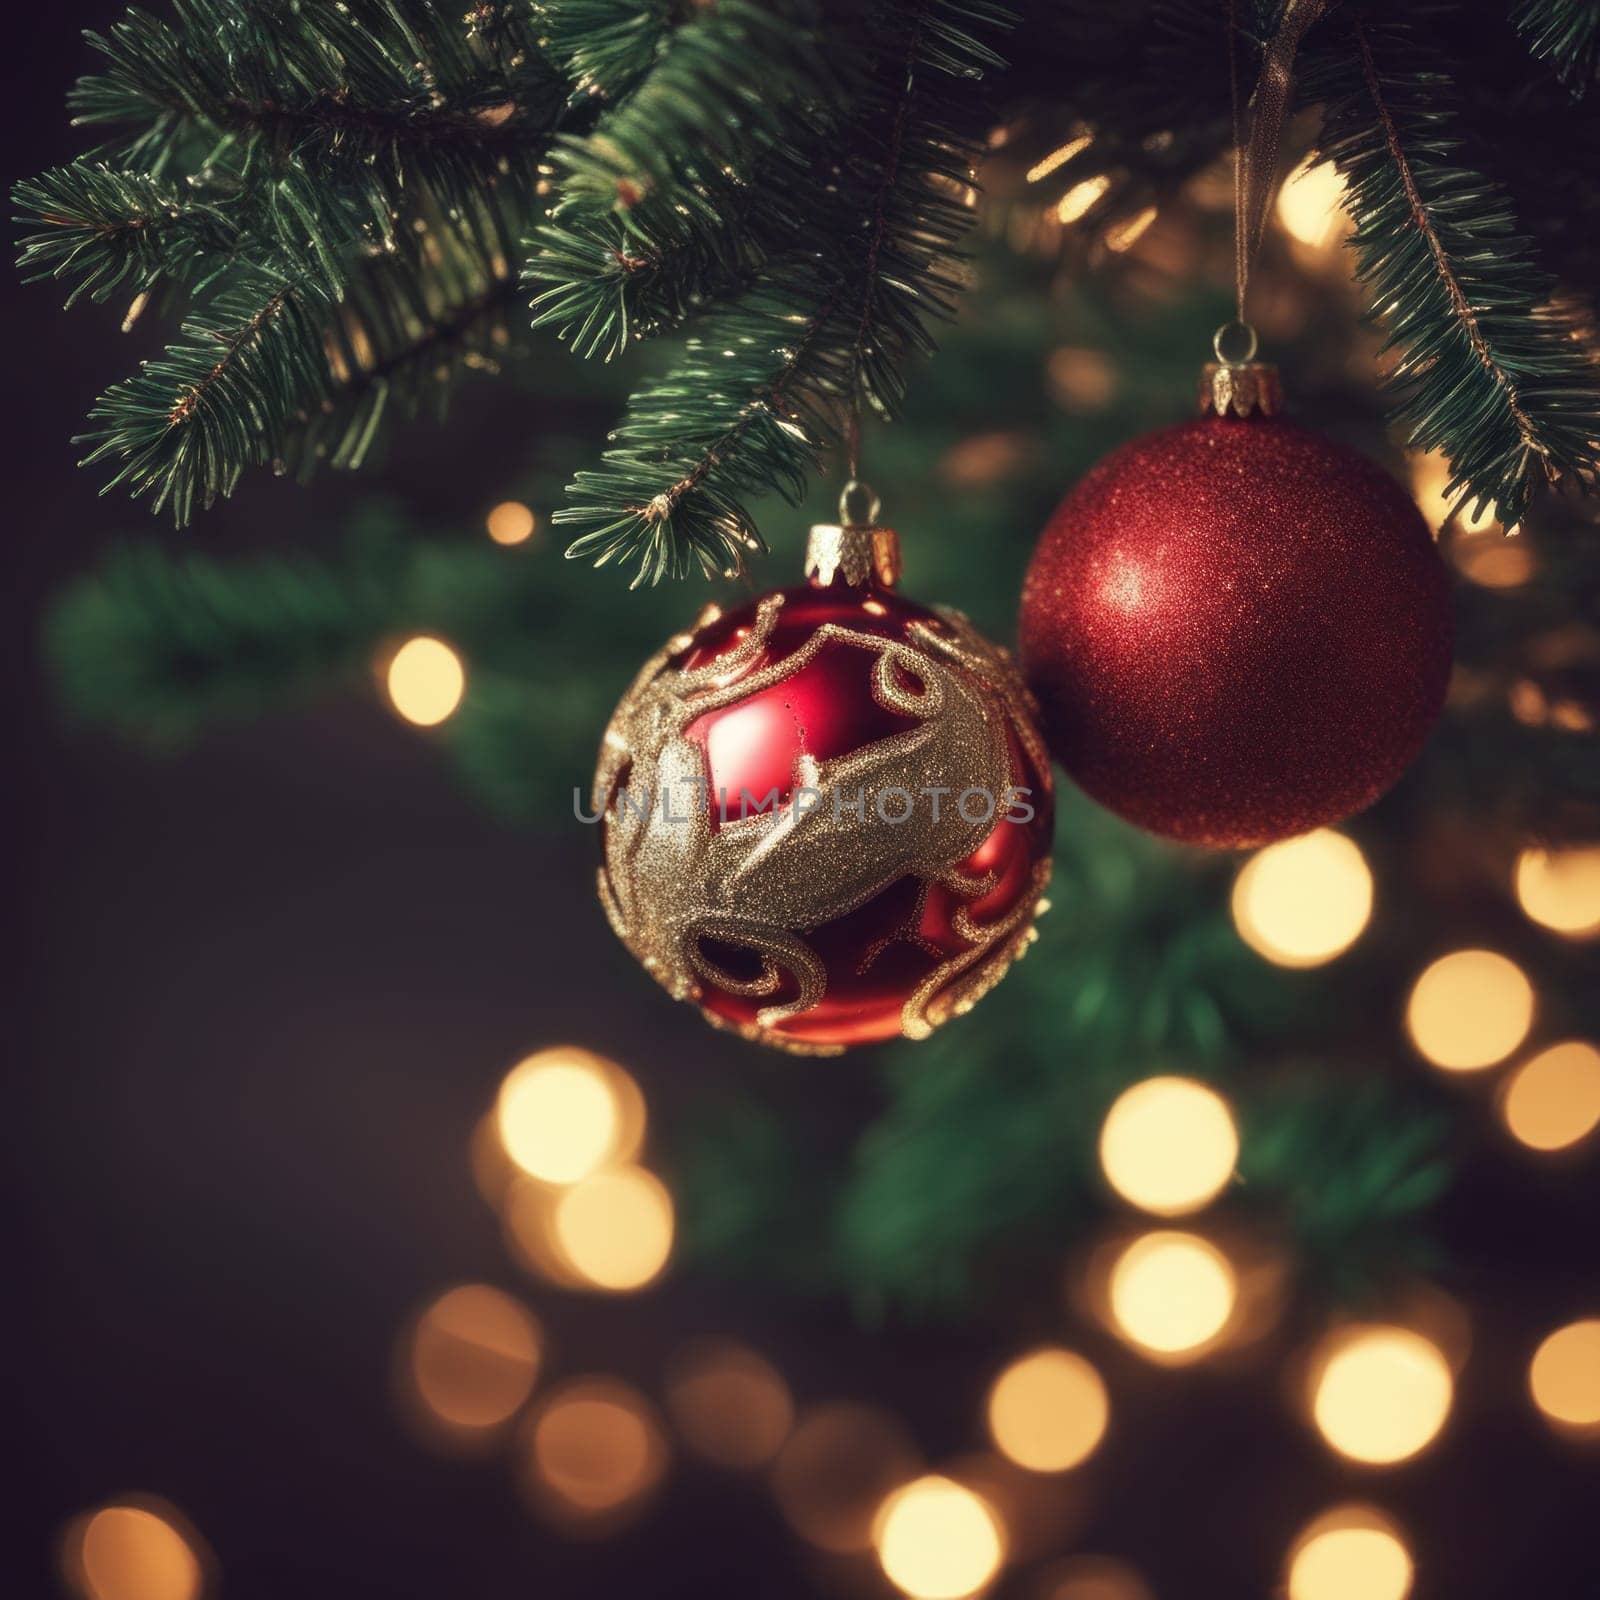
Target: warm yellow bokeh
595,1450
1172,1293
1469,1010
834,1471
130,1552
1380,1394
730,1405
1430,482
1080,198
474,1355
1352,1554
1168,1145
1310,204
426,681
511,522
937,1540
614,1228
1553,1099
1048,1410
1560,889
1304,901
559,1115
1565,1376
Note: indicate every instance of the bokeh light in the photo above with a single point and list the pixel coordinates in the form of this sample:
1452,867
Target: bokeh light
1564,1376
426,681
1172,1293
1353,1553
1168,1145
730,1405
135,1549
1560,889
938,1540
594,1452
511,522
1469,1010
1079,200
1310,204
835,1470
562,1114
474,1354
1553,1099
615,1228
1090,1578
1048,1410
1304,901
1380,1394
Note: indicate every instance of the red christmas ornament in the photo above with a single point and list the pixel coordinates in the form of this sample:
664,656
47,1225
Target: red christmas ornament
1237,630
828,813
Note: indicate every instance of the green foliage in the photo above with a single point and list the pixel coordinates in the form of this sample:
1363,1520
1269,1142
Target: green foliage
336,190
1567,34
771,380
1488,370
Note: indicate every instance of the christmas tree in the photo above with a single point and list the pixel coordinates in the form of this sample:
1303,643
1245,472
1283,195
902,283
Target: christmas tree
724,256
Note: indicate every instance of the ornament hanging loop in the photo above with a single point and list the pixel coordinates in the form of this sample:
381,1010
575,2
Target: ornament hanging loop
1235,344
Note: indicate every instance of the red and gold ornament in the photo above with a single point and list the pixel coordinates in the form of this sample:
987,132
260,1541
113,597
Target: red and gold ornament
1237,630
827,814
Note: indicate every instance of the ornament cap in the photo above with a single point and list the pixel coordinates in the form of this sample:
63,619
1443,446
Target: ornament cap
1240,389
857,550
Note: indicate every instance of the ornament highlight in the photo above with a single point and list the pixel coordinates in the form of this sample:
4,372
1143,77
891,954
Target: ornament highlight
826,815
1237,630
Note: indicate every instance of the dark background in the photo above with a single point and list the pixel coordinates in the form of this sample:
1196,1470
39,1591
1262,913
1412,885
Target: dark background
268,986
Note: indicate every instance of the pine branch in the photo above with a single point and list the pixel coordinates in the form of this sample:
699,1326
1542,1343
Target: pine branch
379,82
354,180
656,225
1489,371
1567,34
606,46
275,371
106,231
766,385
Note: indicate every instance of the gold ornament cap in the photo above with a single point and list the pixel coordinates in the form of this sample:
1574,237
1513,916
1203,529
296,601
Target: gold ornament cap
858,550
1238,385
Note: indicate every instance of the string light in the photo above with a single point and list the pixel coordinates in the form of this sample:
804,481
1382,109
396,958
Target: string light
1124,235
594,1453
1560,889
426,681
1078,200
511,522
1048,1410
834,1472
937,1540
1304,901
1059,157
1380,1394
132,1550
1168,1145
730,1405
1310,204
1564,1376
1172,1293
561,1116
1469,1010
1349,1553
615,1228
1553,1100
473,1358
